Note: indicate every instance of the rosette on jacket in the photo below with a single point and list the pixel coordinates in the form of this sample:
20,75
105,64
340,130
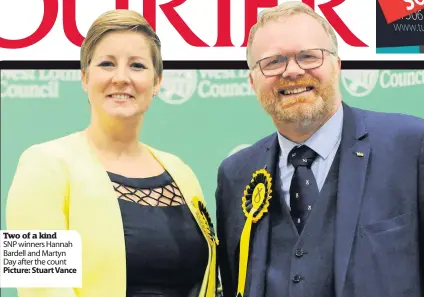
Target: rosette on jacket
255,203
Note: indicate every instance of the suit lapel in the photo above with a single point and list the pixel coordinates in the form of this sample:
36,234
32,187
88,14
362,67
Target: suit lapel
239,182
260,237
355,153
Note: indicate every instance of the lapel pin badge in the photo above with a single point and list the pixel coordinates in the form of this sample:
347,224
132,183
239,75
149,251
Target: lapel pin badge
359,154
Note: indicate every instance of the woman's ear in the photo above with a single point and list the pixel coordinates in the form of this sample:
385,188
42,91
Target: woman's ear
84,79
158,83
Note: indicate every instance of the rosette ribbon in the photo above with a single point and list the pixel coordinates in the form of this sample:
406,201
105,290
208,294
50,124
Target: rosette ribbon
255,203
208,230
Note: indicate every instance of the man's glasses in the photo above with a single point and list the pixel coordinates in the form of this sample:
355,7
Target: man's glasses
306,59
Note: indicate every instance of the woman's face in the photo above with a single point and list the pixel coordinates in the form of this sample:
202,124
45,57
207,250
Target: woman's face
120,80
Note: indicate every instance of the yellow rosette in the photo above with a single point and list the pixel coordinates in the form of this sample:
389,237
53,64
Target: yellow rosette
255,203
207,229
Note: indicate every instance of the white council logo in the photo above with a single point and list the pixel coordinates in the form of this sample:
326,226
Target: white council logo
359,83
178,86
238,148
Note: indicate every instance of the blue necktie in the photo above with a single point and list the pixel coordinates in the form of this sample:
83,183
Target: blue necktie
303,188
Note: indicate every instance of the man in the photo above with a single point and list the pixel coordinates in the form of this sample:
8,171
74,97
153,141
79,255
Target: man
332,204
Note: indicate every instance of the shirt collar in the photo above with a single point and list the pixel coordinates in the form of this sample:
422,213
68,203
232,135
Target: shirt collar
322,141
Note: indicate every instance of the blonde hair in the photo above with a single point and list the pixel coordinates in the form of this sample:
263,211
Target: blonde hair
121,20
287,9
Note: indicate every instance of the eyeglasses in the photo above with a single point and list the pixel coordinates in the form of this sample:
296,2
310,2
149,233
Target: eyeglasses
306,59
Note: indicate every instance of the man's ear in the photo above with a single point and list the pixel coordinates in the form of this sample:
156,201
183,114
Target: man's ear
251,81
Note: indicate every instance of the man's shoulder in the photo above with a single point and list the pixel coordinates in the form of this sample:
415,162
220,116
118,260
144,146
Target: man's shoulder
390,122
247,154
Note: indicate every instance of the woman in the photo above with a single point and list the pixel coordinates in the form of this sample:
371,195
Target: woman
139,211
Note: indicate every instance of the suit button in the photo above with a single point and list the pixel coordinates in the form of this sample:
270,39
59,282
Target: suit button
296,278
299,253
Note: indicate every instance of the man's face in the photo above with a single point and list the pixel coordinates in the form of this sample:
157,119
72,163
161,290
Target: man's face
296,95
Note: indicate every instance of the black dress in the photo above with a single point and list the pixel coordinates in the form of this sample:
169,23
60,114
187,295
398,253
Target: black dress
166,253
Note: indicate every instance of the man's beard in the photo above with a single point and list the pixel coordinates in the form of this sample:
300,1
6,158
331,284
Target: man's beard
304,110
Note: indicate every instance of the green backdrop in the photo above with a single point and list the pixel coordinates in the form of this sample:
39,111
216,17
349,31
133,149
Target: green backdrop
200,115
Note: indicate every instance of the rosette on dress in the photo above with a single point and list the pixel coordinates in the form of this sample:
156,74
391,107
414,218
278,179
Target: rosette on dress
208,230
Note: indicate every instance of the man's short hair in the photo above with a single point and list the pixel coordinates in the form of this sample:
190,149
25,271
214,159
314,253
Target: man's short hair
287,9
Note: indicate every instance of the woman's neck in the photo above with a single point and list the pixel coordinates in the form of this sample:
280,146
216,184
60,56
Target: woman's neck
115,140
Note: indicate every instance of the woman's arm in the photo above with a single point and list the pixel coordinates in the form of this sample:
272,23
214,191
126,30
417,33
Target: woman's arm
37,199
